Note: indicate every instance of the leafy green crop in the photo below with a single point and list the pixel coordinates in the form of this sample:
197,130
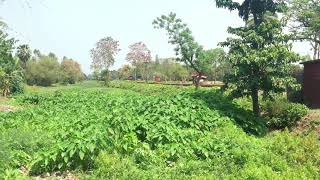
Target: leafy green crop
181,134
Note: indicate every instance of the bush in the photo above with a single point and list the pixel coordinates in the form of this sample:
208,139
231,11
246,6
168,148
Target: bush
282,155
17,84
280,113
43,72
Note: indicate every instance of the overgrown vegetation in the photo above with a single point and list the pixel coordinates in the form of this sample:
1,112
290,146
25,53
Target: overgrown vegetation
11,78
130,130
181,134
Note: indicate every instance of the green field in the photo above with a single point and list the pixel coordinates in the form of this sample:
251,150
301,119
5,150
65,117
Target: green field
139,131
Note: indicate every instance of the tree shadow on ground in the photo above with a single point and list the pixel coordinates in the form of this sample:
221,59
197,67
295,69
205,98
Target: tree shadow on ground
243,118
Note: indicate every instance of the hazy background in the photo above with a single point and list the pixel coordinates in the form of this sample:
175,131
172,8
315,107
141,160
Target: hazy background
71,27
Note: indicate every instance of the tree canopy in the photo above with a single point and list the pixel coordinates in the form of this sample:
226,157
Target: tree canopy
260,55
24,54
186,48
255,8
103,53
11,77
139,55
305,23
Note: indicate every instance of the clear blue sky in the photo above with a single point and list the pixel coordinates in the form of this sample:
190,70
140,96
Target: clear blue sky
71,27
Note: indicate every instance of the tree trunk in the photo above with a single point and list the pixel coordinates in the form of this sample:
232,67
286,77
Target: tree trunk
135,73
4,93
255,19
198,78
255,101
145,73
316,49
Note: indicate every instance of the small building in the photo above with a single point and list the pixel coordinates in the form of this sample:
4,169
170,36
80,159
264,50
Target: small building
311,83
157,78
195,75
130,78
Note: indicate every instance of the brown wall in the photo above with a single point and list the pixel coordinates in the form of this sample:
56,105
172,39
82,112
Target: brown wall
311,84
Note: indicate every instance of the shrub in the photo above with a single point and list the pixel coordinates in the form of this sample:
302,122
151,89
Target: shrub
42,72
17,84
280,113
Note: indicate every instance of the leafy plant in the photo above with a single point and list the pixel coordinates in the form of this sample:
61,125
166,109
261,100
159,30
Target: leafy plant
281,113
118,133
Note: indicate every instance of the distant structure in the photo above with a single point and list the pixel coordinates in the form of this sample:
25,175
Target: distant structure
130,78
157,78
195,75
311,83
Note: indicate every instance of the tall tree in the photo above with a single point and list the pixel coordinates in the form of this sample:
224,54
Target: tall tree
260,54
36,54
52,56
43,72
125,71
186,48
70,72
103,55
305,23
139,55
253,8
24,54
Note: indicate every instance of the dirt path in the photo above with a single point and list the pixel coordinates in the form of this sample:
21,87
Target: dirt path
311,122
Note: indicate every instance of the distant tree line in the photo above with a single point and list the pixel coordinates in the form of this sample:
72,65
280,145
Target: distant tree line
45,70
32,68
210,63
168,69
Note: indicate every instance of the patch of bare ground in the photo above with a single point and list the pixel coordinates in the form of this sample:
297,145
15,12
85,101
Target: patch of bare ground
7,108
310,123
57,175
50,176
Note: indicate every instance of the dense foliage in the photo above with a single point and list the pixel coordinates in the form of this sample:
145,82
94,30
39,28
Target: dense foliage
280,113
45,70
24,54
120,133
256,9
304,22
11,76
260,53
70,71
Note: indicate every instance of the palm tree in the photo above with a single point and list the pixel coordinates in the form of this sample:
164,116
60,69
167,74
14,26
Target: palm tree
24,54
